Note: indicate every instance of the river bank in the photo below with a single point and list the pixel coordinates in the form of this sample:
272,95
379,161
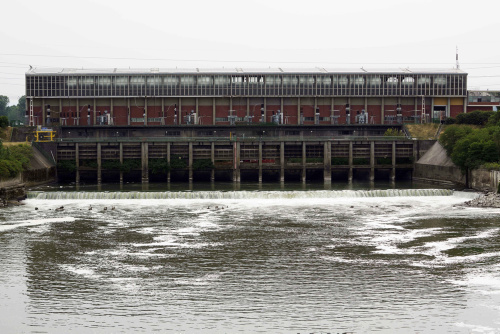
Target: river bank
487,200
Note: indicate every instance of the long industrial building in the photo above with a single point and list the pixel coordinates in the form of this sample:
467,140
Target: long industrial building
170,97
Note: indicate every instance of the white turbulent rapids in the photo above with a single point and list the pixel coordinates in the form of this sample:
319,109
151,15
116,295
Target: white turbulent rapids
60,195
388,261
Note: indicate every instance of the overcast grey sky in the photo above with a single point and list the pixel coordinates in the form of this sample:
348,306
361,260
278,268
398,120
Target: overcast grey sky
251,34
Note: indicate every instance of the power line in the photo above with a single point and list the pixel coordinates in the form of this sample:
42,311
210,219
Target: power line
241,61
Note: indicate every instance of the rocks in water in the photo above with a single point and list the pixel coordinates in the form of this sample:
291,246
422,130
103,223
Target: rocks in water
488,200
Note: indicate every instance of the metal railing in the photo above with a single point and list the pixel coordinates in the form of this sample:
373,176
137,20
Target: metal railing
228,139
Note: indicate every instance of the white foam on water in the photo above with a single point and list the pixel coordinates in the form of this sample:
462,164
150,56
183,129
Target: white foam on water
7,226
199,281
80,271
477,328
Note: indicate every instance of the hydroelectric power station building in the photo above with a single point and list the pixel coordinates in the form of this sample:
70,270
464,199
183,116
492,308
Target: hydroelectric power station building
248,123
223,97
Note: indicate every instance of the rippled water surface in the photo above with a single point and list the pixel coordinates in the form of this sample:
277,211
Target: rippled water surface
281,264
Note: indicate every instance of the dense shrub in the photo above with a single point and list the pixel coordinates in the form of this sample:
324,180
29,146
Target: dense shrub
177,162
4,122
66,165
474,118
452,135
203,164
158,166
14,159
393,133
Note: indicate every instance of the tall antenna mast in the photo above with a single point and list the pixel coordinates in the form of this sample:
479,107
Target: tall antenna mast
458,65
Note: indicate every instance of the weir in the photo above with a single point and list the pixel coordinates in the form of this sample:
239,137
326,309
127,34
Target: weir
140,195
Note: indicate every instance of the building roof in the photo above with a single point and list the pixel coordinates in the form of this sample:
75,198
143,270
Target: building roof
237,70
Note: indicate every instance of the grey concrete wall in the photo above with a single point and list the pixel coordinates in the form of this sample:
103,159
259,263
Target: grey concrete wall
436,166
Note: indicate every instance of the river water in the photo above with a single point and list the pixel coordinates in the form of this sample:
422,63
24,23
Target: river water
288,260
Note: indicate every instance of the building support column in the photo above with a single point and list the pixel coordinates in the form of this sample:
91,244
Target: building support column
213,111
299,119
111,112
44,113
282,162
121,162
393,169
144,160
248,107
145,111
236,155
349,176
332,111
265,110
304,170
168,161
180,111
94,114
128,111
78,112
327,161
212,158
382,112
372,160
190,161
260,162
99,164
77,162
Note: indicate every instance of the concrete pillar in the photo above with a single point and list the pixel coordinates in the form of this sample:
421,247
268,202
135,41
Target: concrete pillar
260,162
282,161
144,160
111,112
121,162
145,111
349,177
168,161
327,161
298,111
77,161
304,171
466,101
179,117
416,107
213,111
99,164
432,110
196,110
236,173
265,109
94,113
332,111
248,107
78,112
190,161
212,158
44,113
393,169
382,112
128,111
372,160
448,107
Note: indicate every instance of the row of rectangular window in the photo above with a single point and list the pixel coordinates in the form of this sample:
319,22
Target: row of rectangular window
344,80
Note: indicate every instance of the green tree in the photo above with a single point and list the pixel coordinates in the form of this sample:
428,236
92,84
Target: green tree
4,122
452,134
4,102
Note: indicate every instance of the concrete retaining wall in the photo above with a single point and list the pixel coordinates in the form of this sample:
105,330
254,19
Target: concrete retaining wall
436,166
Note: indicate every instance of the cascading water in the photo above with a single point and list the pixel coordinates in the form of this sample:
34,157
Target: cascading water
58,195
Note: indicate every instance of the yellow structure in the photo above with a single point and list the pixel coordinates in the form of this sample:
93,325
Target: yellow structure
44,136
